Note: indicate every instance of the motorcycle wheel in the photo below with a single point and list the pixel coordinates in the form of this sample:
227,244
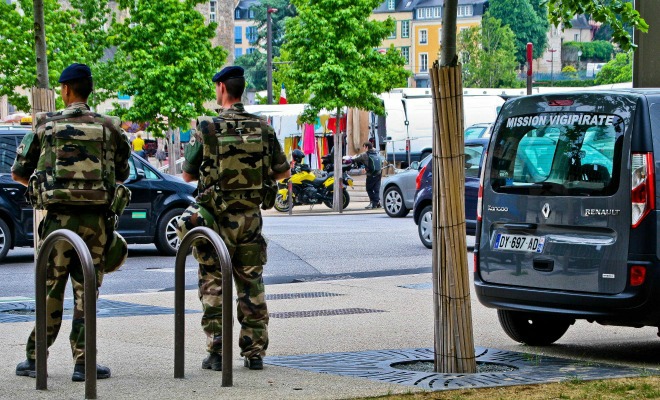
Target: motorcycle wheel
281,205
347,199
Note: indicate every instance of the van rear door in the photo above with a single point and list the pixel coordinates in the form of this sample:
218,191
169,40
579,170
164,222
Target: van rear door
556,201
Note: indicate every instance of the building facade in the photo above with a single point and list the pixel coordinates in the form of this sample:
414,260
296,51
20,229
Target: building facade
245,28
401,11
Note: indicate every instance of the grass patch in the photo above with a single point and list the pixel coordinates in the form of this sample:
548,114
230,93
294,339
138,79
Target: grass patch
574,389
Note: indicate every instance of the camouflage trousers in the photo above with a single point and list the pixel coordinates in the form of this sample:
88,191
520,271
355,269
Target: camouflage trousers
63,263
241,232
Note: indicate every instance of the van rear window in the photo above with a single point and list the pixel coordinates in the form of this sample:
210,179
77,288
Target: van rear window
558,154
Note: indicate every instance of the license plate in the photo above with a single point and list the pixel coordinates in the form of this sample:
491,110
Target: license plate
526,243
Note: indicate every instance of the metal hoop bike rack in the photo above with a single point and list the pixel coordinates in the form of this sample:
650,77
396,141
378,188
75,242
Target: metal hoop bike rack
89,300
210,235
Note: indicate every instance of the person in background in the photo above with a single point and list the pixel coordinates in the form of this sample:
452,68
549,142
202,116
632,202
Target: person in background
138,146
373,165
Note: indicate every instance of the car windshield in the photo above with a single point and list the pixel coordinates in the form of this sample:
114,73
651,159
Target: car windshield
8,145
558,154
475,132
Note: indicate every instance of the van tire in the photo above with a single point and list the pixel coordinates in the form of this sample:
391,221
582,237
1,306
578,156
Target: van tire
533,329
167,240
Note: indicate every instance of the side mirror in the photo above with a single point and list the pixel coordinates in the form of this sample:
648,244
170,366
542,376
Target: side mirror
415,165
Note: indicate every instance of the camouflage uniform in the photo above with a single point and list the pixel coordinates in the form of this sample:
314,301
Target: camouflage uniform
239,225
92,223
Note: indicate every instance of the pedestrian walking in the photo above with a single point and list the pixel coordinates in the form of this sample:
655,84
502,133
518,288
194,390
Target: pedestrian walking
72,163
373,164
237,160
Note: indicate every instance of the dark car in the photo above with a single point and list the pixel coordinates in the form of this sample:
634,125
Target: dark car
157,202
422,209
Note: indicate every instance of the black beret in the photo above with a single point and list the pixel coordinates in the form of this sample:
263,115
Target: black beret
75,71
228,73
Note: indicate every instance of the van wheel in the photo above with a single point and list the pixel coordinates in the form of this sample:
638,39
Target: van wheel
5,239
425,227
167,241
533,329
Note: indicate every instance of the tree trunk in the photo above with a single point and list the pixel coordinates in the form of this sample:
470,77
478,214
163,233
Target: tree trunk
453,337
40,44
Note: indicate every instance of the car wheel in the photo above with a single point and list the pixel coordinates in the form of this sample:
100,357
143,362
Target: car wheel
425,227
5,239
167,241
531,328
393,202
281,205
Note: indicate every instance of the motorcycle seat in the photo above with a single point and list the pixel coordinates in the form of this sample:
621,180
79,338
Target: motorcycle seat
319,181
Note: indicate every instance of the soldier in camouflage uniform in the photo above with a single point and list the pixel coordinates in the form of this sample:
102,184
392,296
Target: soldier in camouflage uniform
59,165
230,186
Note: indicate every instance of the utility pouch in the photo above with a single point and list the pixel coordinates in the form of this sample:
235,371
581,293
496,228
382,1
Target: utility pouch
33,193
212,200
269,193
120,200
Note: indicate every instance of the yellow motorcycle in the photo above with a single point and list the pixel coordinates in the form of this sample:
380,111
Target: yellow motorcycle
308,189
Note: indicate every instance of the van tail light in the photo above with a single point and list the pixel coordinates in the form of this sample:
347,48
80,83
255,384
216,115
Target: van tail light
642,192
480,194
418,181
476,260
637,275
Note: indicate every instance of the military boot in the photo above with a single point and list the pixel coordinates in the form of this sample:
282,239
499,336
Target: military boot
213,361
254,362
27,368
102,372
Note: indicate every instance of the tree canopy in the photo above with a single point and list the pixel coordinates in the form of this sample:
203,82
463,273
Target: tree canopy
68,36
332,46
167,67
489,55
526,24
617,70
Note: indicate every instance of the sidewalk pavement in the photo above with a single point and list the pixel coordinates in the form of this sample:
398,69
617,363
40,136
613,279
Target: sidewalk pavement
306,318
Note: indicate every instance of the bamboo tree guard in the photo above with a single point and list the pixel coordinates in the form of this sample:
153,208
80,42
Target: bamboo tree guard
454,340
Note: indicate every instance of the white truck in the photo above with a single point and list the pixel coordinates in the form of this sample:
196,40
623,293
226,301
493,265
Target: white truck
407,127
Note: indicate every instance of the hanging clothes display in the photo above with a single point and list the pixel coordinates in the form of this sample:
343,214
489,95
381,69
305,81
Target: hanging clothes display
309,141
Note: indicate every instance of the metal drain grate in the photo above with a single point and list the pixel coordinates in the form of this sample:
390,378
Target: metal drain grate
323,313
302,295
24,311
526,368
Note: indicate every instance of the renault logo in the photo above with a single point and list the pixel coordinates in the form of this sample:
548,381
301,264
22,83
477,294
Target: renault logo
546,210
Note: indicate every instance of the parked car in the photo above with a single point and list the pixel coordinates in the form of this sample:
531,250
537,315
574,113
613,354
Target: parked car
157,202
397,192
478,131
569,216
423,207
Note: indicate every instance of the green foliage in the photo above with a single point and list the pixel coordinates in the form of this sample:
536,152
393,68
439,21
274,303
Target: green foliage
254,65
165,60
527,24
597,51
570,71
67,40
331,45
489,51
617,70
620,15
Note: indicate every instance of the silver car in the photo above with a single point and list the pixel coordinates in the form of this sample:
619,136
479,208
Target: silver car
397,192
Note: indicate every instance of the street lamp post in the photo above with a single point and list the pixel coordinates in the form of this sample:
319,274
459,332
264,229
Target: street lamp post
552,66
269,54
579,54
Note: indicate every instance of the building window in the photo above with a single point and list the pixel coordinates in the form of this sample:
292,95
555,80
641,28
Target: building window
405,52
251,34
423,62
393,33
212,10
405,29
576,37
429,12
238,35
436,12
390,4
250,50
423,36
238,52
439,35
464,11
251,14
237,13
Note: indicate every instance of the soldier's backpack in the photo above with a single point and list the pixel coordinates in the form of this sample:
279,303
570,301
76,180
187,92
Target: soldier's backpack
375,163
76,160
235,156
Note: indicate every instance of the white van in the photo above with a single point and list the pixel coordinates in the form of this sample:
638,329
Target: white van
409,120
